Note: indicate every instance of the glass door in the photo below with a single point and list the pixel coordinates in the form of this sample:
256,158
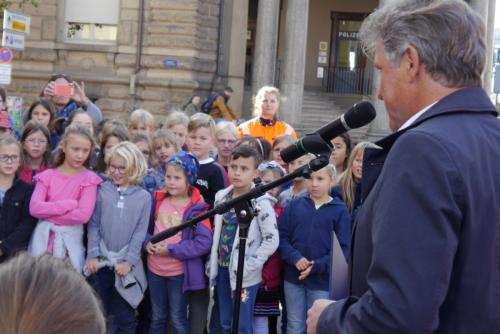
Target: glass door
347,69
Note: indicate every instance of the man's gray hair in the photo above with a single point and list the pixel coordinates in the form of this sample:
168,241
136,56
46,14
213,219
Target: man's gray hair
447,34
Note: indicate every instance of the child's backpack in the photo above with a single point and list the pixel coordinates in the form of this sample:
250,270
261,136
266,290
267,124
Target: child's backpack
206,106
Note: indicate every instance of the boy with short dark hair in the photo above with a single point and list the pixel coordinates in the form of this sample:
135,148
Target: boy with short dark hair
262,242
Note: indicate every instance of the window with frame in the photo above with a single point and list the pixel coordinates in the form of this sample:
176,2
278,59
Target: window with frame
91,21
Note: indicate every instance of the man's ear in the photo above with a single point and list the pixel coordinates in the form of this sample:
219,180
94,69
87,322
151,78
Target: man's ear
411,62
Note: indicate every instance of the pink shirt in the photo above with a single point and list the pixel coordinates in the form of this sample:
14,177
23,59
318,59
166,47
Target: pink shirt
64,199
168,216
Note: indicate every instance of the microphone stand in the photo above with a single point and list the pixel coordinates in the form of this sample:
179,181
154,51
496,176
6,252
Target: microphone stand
245,212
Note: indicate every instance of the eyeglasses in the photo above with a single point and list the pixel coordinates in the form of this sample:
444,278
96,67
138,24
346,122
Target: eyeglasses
37,141
119,169
226,141
11,158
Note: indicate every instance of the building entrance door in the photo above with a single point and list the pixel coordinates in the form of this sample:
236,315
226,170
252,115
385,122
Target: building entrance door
347,72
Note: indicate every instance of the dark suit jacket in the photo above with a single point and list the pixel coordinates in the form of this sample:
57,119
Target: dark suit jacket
426,243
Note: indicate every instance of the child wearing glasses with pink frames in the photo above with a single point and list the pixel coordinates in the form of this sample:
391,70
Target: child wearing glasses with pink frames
35,141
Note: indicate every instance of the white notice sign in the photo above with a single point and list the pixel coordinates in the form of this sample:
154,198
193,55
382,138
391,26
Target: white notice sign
13,40
16,22
320,72
5,74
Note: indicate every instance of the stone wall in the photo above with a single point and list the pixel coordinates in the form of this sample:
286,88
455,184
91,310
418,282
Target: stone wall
181,30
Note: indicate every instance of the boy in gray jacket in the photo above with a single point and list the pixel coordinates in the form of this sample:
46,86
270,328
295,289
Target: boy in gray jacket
262,242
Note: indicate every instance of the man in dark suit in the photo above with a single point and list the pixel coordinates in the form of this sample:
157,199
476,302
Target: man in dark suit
426,244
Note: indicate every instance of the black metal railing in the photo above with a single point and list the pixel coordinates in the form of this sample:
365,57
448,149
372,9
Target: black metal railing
345,80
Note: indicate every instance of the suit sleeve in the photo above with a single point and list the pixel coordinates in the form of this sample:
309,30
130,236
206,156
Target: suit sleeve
416,221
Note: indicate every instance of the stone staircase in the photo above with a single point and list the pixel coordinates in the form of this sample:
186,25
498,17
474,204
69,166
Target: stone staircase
320,108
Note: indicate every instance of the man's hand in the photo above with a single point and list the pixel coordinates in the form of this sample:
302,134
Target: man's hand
315,312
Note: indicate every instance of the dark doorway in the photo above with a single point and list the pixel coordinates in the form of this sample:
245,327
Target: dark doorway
347,72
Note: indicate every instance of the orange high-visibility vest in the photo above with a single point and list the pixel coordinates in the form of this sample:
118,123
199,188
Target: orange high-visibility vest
255,128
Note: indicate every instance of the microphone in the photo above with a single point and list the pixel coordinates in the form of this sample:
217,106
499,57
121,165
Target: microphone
319,142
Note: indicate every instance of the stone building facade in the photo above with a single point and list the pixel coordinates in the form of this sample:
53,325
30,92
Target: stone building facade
177,57
198,46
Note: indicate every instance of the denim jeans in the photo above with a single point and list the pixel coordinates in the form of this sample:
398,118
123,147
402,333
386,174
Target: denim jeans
120,316
214,323
168,302
224,297
298,300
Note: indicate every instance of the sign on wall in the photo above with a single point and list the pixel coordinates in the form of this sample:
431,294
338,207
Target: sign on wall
16,22
15,27
13,40
5,73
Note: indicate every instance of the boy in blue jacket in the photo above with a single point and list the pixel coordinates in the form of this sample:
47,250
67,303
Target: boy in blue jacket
306,228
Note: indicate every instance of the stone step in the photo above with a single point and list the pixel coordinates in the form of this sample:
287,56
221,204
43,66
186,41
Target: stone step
320,108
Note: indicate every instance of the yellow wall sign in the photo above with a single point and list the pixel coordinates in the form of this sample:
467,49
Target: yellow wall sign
16,22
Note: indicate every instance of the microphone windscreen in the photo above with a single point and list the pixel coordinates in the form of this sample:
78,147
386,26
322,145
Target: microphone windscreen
359,115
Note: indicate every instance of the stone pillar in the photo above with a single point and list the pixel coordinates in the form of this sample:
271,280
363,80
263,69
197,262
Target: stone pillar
266,44
237,12
380,126
490,47
292,85
483,8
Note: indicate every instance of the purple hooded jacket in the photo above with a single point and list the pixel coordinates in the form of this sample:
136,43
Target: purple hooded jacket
195,242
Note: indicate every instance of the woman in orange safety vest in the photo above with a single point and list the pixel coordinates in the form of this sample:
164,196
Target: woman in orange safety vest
266,123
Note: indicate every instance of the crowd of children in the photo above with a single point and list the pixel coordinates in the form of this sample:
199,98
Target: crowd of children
96,194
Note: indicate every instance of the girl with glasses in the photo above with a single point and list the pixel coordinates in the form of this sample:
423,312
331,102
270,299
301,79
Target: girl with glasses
225,141
16,223
116,232
35,141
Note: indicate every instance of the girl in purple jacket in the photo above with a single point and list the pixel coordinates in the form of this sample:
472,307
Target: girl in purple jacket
175,265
